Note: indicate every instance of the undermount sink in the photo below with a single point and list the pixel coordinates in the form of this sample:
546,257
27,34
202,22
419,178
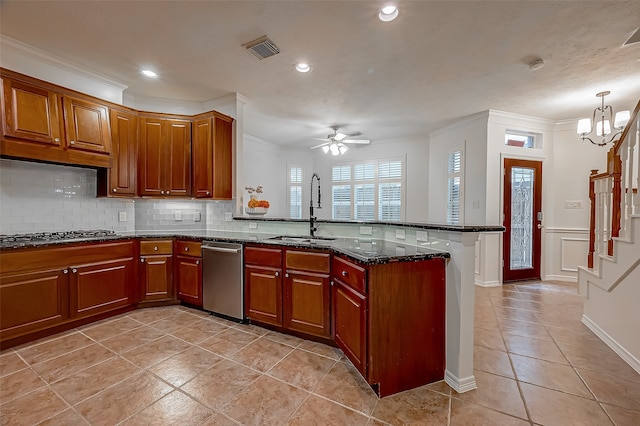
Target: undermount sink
303,239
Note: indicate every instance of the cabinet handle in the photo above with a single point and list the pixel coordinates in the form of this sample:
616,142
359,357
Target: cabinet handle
74,270
115,190
72,142
344,273
277,274
65,271
142,260
186,248
197,262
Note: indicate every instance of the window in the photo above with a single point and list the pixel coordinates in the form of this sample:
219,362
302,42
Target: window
454,186
295,191
368,190
522,139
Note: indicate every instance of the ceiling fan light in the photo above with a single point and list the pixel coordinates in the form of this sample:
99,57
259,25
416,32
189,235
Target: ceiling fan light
339,136
334,149
343,149
621,120
388,13
325,149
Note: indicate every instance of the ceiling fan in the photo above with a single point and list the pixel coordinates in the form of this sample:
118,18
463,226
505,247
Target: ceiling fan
336,143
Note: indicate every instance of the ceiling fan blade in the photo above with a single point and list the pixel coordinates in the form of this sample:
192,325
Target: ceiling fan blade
352,134
317,139
357,141
319,146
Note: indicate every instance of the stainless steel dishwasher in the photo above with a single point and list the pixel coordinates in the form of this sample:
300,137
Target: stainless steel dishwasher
222,279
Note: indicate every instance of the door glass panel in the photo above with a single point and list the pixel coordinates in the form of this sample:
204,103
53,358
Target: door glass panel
521,218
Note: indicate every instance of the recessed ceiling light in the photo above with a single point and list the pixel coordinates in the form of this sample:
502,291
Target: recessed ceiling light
149,74
388,13
302,67
536,64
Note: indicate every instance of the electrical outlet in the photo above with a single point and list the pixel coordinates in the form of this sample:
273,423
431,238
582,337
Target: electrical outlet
197,217
366,230
253,225
177,216
122,216
400,234
228,216
422,236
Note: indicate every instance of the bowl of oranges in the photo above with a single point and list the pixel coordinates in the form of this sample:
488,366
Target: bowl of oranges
255,206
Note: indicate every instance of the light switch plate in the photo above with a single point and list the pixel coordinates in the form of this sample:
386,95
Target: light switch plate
228,216
253,225
177,216
122,216
197,217
422,236
366,230
400,234
573,204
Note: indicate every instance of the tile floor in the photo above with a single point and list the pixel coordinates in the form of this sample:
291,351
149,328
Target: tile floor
536,363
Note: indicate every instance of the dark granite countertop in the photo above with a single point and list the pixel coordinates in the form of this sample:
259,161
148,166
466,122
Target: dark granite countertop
364,250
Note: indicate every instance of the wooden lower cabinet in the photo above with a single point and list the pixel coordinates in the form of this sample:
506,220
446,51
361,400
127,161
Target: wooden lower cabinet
263,284
350,323
156,277
188,272
44,290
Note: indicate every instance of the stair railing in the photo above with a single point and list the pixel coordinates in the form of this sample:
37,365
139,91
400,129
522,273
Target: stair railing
614,193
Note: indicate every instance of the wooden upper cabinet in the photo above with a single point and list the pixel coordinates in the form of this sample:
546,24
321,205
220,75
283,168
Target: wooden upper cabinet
212,158
164,157
124,138
86,126
31,113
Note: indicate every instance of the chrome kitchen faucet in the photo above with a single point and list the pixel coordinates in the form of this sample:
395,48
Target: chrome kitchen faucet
312,218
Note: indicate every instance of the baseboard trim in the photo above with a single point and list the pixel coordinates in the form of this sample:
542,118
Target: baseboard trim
488,283
567,278
460,385
612,343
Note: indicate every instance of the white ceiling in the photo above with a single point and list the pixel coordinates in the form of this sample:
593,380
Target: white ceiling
437,62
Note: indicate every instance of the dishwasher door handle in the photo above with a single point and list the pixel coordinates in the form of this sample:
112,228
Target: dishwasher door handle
221,249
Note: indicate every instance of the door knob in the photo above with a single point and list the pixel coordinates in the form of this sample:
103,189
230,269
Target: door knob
540,226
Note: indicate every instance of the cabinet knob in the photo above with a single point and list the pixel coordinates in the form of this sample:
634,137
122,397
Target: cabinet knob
277,274
168,192
197,262
142,260
57,140
115,190
162,192
65,271
155,248
344,273
74,270
72,142
331,283
186,248
208,193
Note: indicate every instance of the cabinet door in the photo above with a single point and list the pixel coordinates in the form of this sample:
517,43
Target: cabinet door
202,158
101,287
151,157
188,277
124,138
350,324
222,159
87,126
263,287
156,278
306,303
32,301
178,169
31,113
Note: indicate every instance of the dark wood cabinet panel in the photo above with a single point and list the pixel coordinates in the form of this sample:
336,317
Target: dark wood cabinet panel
263,293
307,303
350,323
202,158
102,286
86,126
212,158
156,278
151,157
188,278
223,159
124,140
33,300
31,113
178,179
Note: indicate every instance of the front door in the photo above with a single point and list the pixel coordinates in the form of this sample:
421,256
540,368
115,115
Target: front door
522,219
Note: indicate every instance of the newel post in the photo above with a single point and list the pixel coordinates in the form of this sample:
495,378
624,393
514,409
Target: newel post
592,219
616,199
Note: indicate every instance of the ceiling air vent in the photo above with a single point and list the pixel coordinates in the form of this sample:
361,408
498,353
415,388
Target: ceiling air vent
262,48
635,37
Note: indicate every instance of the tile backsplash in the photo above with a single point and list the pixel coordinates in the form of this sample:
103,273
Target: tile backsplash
43,198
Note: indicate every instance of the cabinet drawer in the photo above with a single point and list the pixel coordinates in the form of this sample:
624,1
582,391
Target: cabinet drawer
156,247
351,274
263,256
189,248
308,261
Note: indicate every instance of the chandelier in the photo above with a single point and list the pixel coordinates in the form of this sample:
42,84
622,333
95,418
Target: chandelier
603,125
